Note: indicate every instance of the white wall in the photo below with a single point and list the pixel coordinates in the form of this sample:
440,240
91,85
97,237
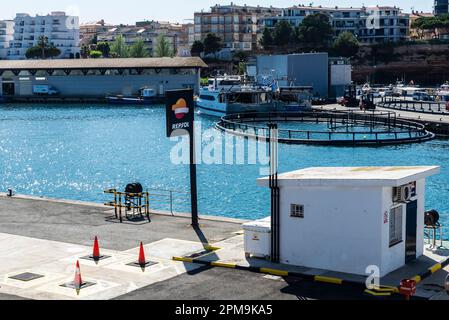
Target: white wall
340,231
341,74
394,258
344,229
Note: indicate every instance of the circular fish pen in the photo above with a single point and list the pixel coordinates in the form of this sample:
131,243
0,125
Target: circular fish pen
336,128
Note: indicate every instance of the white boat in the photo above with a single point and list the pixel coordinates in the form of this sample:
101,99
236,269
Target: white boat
220,102
406,91
230,94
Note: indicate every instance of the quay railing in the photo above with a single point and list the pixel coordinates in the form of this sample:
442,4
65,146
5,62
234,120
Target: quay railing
342,127
143,203
168,200
431,107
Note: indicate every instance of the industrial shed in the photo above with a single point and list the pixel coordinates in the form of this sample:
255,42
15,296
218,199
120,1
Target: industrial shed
99,77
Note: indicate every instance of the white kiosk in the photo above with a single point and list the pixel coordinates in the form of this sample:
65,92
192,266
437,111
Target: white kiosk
347,219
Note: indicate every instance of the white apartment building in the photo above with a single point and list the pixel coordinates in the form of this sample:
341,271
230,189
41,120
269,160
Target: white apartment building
236,25
369,24
6,35
62,31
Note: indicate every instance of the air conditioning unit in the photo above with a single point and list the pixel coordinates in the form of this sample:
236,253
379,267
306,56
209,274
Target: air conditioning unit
402,194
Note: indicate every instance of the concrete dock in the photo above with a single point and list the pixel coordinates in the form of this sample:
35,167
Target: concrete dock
47,237
436,123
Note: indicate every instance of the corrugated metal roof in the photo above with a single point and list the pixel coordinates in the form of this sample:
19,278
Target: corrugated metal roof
177,62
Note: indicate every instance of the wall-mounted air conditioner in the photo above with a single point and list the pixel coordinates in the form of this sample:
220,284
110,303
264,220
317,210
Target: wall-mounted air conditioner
403,193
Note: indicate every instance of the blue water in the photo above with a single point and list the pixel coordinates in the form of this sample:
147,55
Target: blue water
75,152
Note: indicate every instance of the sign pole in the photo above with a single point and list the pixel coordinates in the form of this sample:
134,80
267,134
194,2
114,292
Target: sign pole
180,117
193,186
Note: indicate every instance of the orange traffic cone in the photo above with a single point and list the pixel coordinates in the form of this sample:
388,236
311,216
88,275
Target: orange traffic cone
142,261
78,281
96,252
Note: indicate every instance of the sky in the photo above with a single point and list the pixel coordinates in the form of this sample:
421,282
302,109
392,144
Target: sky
130,11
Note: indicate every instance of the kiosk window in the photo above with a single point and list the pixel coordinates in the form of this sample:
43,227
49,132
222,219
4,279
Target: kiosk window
396,226
297,211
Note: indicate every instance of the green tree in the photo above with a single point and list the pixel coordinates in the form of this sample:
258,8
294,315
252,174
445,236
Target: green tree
197,48
212,43
315,31
240,56
283,34
104,48
436,25
346,45
43,44
95,54
163,47
42,50
119,48
267,40
139,49
85,51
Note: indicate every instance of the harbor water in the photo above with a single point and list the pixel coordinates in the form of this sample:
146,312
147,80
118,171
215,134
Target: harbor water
75,152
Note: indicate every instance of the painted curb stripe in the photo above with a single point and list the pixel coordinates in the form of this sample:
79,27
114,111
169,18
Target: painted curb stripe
385,289
211,248
378,294
417,279
181,259
328,280
223,265
435,268
274,272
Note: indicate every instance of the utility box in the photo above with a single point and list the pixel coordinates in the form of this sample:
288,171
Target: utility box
258,238
352,219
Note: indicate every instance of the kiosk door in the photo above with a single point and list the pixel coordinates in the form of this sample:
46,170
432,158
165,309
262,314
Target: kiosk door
411,231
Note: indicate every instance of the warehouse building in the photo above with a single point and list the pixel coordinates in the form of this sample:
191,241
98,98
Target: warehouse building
327,76
99,77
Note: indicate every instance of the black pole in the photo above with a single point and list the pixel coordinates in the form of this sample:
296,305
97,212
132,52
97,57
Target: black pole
275,195
193,186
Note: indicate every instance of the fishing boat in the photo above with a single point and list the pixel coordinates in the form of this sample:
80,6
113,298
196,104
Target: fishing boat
230,94
220,102
147,96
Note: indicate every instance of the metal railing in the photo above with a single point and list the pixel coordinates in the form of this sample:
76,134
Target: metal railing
381,127
167,200
431,107
150,200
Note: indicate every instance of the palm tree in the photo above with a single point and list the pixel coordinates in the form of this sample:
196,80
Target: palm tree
43,44
119,48
163,48
139,49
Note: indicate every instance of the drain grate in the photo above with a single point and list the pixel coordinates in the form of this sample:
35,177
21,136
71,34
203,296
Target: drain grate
27,276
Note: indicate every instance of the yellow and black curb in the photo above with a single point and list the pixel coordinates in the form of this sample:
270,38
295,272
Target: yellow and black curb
437,267
382,291
275,272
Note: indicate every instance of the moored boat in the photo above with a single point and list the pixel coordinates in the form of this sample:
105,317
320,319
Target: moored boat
225,96
147,96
